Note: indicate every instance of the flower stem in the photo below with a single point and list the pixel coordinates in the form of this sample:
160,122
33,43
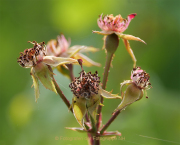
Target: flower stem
106,70
62,95
110,121
104,82
71,75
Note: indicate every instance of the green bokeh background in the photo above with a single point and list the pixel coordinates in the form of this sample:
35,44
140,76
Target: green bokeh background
24,122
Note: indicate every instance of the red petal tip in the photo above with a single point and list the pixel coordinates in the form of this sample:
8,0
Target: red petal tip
131,16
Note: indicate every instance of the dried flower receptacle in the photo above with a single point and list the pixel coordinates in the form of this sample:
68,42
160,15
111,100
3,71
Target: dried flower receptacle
117,25
36,59
86,95
136,86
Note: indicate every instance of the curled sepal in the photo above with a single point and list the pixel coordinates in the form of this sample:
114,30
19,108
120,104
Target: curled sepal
129,50
45,75
111,133
74,50
130,37
92,104
82,48
35,84
86,61
108,95
79,109
55,61
78,129
132,94
104,32
93,122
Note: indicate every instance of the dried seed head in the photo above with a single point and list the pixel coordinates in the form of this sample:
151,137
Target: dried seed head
140,78
30,57
86,85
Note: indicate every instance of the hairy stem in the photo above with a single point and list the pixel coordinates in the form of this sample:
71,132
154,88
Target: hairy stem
110,121
62,95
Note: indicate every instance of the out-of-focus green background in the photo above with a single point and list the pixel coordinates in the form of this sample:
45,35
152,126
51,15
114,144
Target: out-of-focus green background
24,122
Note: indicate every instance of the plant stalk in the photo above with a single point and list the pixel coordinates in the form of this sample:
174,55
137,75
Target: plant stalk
62,95
71,75
104,82
110,121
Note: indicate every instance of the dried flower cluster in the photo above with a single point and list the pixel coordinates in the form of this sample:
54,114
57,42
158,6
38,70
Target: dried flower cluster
86,85
140,78
30,57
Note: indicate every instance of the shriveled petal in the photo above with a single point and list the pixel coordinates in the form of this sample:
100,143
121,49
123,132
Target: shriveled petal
36,85
82,48
63,43
130,37
79,109
78,129
44,74
108,95
104,32
129,50
125,26
132,94
86,60
55,61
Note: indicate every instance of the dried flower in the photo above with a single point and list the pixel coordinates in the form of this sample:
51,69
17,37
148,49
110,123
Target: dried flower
36,59
60,48
136,86
86,95
110,24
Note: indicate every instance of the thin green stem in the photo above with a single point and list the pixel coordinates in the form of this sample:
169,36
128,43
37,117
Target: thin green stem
106,70
110,121
62,95
104,82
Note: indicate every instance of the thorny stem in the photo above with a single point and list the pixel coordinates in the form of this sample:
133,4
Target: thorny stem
62,95
109,121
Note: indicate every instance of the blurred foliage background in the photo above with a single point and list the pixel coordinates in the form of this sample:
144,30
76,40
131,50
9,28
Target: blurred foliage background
24,122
